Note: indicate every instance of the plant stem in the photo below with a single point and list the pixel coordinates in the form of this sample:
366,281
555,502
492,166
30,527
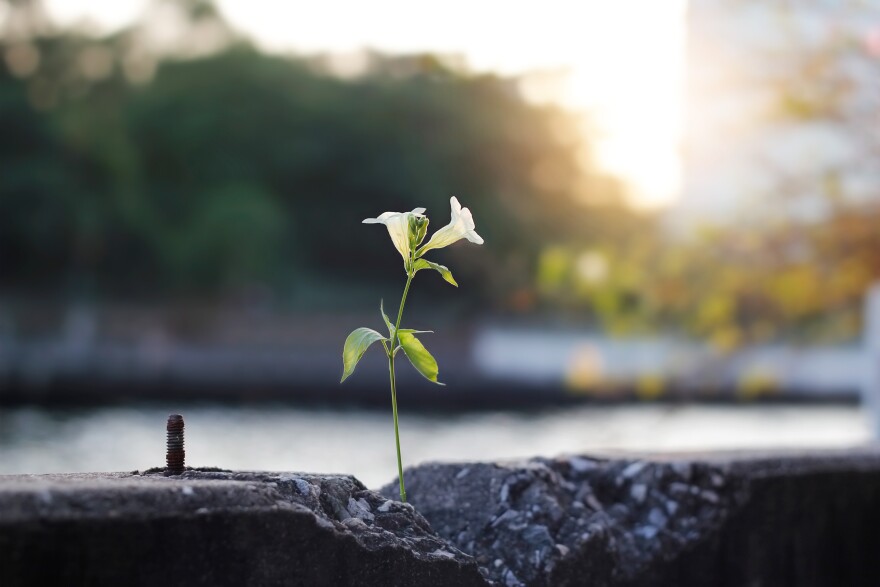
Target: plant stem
394,343
396,432
400,311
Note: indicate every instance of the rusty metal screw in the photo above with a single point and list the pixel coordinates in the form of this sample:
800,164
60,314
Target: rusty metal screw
175,455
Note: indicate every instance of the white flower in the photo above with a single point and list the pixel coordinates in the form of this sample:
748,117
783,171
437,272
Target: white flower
397,224
461,226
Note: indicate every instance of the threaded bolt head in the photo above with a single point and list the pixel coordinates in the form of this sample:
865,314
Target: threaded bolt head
174,455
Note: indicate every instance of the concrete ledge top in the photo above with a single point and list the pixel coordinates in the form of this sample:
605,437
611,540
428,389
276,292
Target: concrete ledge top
764,460
607,519
152,494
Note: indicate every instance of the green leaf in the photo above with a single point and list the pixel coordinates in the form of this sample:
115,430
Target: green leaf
356,345
419,356
385,318
411,331
442,270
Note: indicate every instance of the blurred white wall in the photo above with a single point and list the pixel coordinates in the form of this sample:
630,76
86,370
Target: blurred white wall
780,111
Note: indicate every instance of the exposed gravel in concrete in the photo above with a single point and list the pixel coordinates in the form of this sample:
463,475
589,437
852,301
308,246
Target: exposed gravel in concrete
527,523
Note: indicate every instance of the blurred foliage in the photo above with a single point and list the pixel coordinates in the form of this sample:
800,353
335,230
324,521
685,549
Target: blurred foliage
729,286
131,172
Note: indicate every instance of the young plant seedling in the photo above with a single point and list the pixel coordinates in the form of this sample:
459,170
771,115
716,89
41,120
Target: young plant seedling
408,230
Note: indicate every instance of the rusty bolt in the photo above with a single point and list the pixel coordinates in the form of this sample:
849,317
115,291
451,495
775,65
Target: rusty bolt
175,455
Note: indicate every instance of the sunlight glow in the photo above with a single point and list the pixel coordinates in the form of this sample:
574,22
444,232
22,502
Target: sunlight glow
624,59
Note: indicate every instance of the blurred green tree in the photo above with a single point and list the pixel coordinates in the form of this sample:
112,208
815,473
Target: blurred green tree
216,172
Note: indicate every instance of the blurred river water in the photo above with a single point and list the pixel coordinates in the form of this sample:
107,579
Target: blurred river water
283,437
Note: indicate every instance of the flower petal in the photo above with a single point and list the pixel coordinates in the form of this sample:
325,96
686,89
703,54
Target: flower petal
456,207
398,229
442,238
461,225
467,218
381,219
397,224
472,236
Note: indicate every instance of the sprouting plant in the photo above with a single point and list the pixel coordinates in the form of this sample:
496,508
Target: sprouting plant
408,230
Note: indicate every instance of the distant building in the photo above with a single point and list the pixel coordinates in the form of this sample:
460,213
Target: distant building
782,110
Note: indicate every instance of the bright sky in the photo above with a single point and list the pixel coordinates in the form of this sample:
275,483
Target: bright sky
625,57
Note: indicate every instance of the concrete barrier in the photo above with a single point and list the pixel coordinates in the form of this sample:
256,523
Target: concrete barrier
216,528
719,520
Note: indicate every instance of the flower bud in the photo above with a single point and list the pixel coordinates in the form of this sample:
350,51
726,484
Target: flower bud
418,228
